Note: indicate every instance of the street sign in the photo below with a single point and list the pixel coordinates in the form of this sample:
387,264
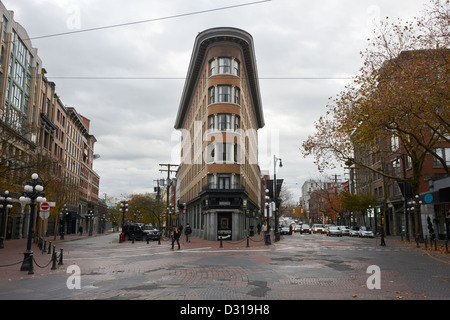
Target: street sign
45,206
44,214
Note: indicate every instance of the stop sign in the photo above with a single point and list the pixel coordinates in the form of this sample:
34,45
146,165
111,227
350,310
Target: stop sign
45,206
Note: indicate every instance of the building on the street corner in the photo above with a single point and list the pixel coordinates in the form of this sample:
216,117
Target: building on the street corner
38,134
219,116
418,154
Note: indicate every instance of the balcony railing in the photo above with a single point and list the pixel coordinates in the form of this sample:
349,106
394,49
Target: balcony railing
218,187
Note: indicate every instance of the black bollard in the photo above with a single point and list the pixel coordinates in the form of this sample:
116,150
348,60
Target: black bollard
221,246
132,238
247,243
61,258
54,259
49,247
148,239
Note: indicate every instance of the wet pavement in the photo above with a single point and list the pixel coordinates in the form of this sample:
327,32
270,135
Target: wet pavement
297,267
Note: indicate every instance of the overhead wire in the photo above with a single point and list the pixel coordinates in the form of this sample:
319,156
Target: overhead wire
160,19
148,20
184,78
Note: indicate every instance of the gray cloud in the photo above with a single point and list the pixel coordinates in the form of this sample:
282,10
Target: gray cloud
133,119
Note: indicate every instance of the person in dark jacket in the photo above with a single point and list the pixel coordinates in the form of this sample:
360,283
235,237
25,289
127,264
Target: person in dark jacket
187,232
175,237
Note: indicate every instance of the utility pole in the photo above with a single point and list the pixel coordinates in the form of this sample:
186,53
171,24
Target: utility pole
169,171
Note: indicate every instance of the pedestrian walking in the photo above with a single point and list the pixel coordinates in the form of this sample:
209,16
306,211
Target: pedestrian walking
259,228
175,237
266,233
382,236
187,232
80,230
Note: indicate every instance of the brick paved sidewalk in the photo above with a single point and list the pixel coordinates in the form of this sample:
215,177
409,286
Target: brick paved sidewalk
12,255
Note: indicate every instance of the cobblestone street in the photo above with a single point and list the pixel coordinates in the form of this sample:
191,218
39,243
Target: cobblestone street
297,267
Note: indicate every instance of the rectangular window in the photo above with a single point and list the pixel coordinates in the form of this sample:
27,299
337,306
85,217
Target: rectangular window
212,120
211,95
224,120
224,181
236,123
394,143
211,181
224,93
236,95
444,153
236,68
212,67
211,153
224,65
236,154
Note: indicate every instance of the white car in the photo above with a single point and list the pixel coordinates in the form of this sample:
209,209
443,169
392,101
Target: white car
345,230
365,232
354,231
334,231
318,228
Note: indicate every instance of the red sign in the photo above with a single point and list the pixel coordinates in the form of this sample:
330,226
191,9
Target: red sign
45,206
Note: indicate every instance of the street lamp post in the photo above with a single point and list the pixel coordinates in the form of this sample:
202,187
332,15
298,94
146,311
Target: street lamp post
5,204
90,217
63,216
405,208
124,207
275,196
33,193
267,235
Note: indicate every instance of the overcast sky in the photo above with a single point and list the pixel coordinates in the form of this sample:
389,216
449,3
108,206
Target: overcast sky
133,119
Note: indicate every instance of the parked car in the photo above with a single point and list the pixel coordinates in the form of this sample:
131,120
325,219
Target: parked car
285,229
318,228
152,232
345,230
305,229
140,231
354,232
334,231
365,232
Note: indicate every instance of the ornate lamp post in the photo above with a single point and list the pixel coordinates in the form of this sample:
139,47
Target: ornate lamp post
62,216
33,193
267,235
5,204
275,196
90,216
124,207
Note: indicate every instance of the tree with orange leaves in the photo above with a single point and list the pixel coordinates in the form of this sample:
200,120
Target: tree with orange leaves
400,95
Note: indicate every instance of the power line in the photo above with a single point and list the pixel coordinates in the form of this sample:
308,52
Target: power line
184,78
148,20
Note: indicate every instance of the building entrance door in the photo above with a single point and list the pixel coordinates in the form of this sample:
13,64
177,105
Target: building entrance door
224,225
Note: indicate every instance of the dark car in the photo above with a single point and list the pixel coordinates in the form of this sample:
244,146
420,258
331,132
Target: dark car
152,233
285,230
140,232
305,229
